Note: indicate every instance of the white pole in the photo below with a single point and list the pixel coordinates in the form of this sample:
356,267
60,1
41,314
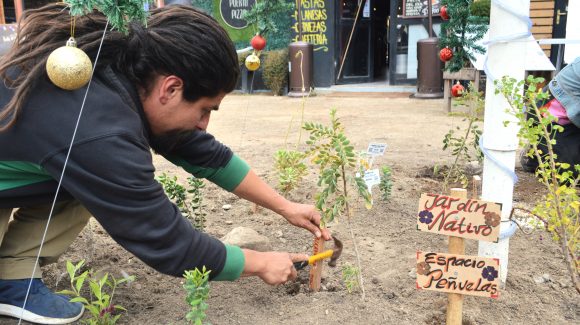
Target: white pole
501,142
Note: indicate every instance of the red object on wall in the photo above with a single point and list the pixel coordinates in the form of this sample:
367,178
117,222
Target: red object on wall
457,90
445,54
258,42
443,13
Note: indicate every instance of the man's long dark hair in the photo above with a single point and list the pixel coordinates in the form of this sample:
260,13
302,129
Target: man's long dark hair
178,40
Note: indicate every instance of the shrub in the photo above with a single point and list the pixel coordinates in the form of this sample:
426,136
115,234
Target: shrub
275,73
481,8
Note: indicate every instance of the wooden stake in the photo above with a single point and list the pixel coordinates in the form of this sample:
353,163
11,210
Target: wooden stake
316,268
476,184
456,246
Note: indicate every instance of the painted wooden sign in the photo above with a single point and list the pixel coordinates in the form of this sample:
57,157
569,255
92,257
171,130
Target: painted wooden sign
467,218
376,149
462,274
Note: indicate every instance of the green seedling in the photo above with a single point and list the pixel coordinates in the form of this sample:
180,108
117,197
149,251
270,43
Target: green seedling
330,149
189,200
464,143
386,184
290,169
102,291
350,275
197,288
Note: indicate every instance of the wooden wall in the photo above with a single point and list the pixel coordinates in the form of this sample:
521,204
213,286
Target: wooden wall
542,15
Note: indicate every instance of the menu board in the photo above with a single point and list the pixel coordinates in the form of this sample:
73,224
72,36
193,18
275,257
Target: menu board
418,8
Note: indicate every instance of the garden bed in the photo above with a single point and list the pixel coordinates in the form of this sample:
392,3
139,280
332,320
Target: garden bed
538,288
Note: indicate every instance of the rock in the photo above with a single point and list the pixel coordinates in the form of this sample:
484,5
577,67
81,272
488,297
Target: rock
390,295
247,238
473,168
539,279
278,234
226,207
229,222
413,273
547,277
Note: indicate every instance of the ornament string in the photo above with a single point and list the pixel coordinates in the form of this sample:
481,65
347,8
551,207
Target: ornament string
62,173
507,38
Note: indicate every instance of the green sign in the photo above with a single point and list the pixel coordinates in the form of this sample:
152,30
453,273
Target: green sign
229,14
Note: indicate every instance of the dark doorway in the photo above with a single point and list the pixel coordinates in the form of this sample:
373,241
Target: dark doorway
559,29
362,36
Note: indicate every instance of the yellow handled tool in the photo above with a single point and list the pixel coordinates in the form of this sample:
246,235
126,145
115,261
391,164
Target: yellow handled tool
333,254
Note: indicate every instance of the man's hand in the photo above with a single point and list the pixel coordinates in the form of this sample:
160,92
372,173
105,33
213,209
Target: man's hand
254,189
272,267
307,217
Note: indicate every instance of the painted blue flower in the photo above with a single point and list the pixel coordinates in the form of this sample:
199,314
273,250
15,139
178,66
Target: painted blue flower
489,273
425,216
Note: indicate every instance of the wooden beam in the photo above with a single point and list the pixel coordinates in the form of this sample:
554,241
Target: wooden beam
18,8
2,17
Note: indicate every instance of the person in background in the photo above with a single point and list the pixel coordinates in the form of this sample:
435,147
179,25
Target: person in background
154,88
564,104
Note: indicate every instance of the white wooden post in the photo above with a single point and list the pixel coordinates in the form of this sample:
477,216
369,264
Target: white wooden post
501,142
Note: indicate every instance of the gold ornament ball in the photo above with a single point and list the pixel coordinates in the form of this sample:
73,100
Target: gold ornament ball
252,62
68,67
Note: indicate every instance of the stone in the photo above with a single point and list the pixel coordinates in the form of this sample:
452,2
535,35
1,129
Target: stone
226,207
473,168
247,238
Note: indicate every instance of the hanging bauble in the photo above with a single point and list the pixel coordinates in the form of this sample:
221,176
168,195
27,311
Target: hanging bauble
445,54
457,90
68,67
443,12
258,42
252,62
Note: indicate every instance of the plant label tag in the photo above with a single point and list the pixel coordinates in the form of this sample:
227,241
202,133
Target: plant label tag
466,218
462,274
372,177
376,149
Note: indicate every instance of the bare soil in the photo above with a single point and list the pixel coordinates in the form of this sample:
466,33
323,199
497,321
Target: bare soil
255,126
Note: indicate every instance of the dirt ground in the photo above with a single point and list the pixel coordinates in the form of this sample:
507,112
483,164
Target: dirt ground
255,126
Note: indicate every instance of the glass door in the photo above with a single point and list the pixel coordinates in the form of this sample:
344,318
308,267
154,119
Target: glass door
355,48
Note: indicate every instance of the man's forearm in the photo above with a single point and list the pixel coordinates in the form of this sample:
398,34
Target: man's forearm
254,189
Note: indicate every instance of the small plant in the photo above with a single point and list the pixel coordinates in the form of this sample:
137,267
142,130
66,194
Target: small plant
290,168
559,209
102,291
350,275
197,287
465,145
275,71
334,154
188,200
386,184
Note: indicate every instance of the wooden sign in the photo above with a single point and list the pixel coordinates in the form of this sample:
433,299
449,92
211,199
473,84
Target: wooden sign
461,274
376,149
467,218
